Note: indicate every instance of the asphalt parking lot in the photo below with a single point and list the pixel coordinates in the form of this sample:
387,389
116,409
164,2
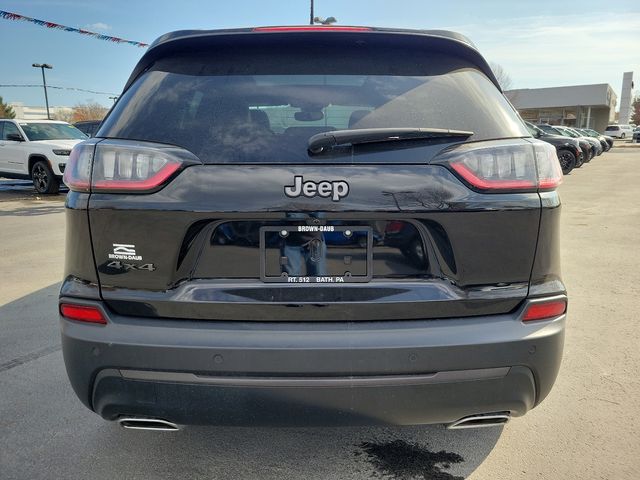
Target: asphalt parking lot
587,428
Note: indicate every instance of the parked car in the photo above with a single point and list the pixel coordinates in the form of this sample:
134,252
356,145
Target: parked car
162,325
88,127
37,150
596,147
607,138
567,148
636,135
574,133
588,150
619,131
590,133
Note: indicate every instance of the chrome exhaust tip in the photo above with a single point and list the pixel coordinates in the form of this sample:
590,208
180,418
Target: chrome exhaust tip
480,421
140,423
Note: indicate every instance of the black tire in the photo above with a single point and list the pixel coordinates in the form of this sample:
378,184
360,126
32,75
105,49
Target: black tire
43,178
579,160
623,135
567,160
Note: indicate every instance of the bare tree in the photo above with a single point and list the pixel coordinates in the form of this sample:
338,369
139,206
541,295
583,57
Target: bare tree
503,77
64,115
89,111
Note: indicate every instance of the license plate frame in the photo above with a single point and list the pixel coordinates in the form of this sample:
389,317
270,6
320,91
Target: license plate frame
360,247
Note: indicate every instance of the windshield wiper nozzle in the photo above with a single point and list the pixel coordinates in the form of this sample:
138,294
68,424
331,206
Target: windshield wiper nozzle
334,138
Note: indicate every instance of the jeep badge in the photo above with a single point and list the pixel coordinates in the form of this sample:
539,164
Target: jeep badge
334,189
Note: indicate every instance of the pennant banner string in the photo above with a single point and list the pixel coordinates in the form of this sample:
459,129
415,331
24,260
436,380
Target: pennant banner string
81,31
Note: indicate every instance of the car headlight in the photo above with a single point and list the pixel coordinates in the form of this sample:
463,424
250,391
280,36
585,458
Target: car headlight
64,153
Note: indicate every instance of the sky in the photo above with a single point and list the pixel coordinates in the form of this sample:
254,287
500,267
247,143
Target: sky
539,44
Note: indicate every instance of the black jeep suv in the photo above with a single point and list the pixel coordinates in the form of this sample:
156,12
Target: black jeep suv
312,225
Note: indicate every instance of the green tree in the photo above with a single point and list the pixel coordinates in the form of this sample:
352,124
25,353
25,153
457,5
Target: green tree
6,110
635,111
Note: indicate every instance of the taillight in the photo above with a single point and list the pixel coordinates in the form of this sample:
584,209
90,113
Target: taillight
117,167
124,166
578,151
82,313
548,166
545,310
77,173
494,167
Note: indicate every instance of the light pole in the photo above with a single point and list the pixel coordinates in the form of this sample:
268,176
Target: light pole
42,66
311,14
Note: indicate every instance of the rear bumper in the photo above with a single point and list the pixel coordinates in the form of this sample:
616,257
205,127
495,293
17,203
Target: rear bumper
322,373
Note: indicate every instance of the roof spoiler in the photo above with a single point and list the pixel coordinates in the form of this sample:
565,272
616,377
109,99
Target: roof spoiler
189,40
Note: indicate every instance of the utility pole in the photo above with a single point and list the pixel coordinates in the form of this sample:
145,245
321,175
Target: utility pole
311,14
114,99
42,66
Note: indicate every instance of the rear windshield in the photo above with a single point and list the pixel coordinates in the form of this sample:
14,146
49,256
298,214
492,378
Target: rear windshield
270,117
612,128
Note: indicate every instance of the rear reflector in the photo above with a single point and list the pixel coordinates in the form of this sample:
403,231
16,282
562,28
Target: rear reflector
311,28
545,310
82,313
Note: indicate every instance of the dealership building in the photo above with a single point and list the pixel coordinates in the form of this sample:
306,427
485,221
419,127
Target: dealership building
583,106
26,112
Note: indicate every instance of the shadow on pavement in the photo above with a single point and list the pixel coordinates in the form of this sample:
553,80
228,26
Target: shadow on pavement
19,199
23,190
48,433
416,452
32,211
29,325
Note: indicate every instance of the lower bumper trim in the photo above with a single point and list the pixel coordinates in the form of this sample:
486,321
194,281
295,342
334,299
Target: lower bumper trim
313,382
195,400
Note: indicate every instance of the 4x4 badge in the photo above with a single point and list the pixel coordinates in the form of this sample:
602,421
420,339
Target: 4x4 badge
336,189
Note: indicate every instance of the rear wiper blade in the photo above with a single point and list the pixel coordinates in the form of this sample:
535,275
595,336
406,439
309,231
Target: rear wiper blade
334,138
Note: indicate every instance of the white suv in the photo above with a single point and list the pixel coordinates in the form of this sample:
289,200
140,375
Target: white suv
37,149
619,131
